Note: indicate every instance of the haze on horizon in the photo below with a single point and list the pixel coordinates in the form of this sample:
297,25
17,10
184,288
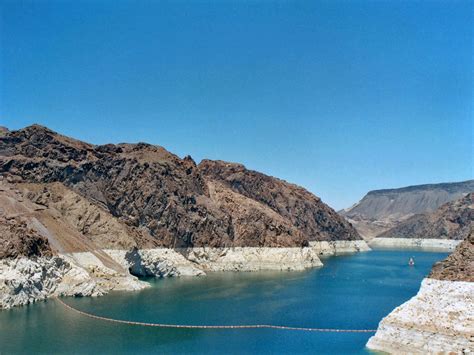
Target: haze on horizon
338,97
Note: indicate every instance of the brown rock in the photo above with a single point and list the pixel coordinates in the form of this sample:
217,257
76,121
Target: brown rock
453,220
306,212
16,239
163,200
459,266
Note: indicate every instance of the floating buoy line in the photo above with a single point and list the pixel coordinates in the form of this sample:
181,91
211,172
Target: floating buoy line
186,326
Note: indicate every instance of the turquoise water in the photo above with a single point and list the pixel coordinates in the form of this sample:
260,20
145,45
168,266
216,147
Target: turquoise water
353,291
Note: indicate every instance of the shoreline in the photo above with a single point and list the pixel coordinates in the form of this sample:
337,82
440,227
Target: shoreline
438,319
95,273
415,243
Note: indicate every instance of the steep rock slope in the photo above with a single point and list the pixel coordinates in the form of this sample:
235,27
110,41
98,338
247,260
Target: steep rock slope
440,318
17,239
459,266
45,219
160,200
381,210
453,220
301,208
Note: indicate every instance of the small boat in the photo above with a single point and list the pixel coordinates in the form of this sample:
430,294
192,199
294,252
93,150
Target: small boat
411,262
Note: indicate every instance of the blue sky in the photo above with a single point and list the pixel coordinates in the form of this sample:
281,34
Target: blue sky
340,97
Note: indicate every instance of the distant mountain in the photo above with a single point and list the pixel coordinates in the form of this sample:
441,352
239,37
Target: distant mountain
453,220
381,210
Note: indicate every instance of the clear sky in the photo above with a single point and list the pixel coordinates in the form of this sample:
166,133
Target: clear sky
340,97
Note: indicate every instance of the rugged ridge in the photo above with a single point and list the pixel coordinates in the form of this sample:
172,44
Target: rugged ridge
167,199
381,210
297,205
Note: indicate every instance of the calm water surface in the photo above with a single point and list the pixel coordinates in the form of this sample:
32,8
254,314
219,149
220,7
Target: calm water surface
353,291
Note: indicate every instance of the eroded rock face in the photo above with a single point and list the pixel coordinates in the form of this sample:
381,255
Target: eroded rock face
303,210
145,186
159,262
141,265
24,281
439,319
453,220
255,224
253,259
90,222
28,280
382,210
459,266
17,239
162,200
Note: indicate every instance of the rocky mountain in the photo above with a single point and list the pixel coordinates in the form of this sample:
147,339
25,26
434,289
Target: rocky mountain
78,196
453,220
381,210
291,202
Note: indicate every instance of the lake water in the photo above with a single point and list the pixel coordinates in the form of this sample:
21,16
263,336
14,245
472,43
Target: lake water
353,291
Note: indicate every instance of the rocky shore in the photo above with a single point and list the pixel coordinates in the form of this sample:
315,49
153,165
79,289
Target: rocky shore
440,318
27,280
81,219
337,247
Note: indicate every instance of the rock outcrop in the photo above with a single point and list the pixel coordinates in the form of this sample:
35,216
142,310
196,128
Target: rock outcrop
253,259
17,239
26,280
459,266
440,318
449,224
382,210
296,205
161,262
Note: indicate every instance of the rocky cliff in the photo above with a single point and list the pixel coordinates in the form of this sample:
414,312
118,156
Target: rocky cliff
440,318
381,210
168,201
459,266
303,210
